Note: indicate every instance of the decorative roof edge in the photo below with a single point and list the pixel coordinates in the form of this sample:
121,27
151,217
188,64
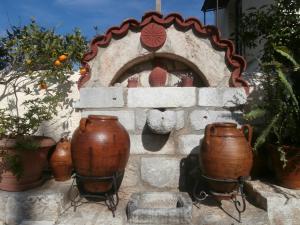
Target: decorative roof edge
236,62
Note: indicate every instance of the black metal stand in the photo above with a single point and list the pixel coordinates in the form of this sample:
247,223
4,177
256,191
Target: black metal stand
240,205
79,197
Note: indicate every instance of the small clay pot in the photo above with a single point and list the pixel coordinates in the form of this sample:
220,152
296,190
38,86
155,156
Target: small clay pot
132,82
187,81
158,77
61,161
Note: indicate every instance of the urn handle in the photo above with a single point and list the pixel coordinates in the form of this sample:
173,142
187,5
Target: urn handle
208,130
82,124
250,131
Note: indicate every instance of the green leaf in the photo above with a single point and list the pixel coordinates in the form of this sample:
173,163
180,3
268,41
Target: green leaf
288,86
285,52
265,133
255,114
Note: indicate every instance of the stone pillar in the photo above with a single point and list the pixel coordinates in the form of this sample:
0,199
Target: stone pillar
158,6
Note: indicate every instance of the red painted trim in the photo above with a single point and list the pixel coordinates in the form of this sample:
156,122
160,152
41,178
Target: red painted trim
236,62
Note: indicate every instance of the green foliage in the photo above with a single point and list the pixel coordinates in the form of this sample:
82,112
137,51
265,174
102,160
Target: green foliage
27,144
13,162
280,106
31,67
277,24
27,67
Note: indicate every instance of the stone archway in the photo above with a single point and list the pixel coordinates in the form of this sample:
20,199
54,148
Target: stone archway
154,35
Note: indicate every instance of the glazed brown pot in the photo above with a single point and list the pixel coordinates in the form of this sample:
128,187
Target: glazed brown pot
100,148
33,162
61,161
225,154
158,77
288,176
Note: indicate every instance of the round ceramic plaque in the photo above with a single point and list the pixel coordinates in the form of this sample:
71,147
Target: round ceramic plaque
153,36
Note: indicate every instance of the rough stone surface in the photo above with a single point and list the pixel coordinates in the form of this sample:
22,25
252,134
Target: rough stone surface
140,118
281,204
126,117
160,208
186,45
210,212
132,172
221,97
100,97
151,144
30,222
189,144
161,97
92,214
41,204
200,118
180,118
160,172
161,122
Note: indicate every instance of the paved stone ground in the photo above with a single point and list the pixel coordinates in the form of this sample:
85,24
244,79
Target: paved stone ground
274,205
92,214
207,213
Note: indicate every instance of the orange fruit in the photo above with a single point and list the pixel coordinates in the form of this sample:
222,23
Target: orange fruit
43,85
83,71
62,58
57,63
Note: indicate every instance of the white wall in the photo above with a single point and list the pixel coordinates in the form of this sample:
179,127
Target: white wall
227,20
65,122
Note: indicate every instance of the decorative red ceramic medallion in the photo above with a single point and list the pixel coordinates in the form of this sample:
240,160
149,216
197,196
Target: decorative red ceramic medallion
153,36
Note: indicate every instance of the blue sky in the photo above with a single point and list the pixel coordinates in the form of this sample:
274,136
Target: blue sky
65,15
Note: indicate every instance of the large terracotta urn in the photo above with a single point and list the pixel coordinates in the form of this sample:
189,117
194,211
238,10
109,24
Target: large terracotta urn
225,154
100,148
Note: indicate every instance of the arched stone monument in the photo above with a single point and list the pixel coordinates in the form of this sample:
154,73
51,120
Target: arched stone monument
166,124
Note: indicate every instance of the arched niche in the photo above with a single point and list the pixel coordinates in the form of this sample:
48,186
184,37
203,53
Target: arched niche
176,66
186,41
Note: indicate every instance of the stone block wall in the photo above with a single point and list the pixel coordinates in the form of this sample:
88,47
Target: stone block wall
156,159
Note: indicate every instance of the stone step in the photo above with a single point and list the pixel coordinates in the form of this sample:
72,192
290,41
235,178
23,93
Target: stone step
281,204
44,203
44,222
206,213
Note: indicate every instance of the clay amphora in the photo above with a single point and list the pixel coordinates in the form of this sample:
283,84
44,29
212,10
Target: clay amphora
100,147
225,154
61,161
158,77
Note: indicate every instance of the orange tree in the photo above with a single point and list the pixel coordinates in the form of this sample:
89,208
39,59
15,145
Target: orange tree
37,63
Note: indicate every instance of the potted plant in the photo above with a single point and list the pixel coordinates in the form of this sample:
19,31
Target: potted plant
35,67
281,112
